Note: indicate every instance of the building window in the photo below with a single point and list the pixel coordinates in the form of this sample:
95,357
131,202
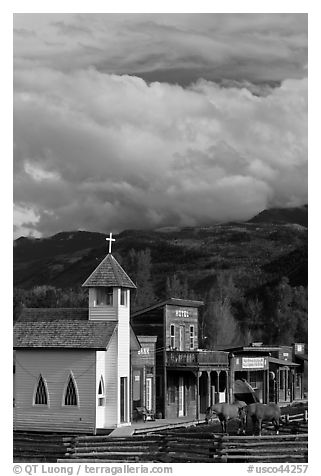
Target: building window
101,393
172,344
191,333
71,393
41,395
123,297
253,379
104,296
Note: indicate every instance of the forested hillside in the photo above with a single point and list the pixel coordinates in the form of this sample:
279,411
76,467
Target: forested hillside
251,276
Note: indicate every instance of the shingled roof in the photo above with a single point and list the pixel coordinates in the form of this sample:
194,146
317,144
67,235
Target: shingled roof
61,328
109,273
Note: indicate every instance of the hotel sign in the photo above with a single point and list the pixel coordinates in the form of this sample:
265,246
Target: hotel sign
253,363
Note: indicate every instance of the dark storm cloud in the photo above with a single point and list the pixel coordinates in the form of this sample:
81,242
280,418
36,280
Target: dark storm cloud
254,47
95,148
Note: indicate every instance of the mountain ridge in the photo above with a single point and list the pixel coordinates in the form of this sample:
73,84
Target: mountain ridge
256,252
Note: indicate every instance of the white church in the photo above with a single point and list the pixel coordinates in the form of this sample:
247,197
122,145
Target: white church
72,366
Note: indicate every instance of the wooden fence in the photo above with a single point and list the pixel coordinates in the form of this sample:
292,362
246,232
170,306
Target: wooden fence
263,449
40,447
193,444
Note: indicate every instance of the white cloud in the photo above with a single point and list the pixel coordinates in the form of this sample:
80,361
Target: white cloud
132,155
24,220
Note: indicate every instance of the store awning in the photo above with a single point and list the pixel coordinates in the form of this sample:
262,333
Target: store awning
285,363
301,356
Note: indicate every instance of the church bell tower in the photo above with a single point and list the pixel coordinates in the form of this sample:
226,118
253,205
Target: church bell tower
109,300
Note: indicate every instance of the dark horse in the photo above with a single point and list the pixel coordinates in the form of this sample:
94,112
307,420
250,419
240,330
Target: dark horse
259,412
225,412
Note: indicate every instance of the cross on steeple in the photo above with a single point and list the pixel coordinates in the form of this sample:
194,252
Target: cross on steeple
110,239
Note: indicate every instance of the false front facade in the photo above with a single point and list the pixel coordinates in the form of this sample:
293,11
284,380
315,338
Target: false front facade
188,379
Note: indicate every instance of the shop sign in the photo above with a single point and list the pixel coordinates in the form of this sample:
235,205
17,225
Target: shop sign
253,362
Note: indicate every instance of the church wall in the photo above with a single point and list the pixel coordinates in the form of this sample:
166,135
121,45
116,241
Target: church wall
55,367
107,366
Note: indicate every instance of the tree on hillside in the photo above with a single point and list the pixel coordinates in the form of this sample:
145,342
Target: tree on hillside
145,291
48,296
72,297
41,296
177,288
18,302
139,267
300,312
221,326
252,321
285,313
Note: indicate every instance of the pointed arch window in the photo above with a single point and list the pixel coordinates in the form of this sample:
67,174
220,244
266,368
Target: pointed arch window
101,393
41,394
71,397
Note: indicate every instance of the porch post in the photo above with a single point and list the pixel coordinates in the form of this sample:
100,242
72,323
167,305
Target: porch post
267,392
286,381
198,374
208,388
218,385
292,384
231,379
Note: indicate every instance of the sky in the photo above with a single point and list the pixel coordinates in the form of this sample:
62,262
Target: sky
126,121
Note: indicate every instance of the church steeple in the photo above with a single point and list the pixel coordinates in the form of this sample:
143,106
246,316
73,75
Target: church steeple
109,300
109,273
109,288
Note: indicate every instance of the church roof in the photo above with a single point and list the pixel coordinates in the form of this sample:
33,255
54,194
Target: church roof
109,273
61,328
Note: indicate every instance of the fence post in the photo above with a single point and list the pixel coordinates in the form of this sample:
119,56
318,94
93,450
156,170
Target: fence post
305,418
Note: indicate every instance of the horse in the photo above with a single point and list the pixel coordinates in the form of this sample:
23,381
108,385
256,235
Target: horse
263,412
227,411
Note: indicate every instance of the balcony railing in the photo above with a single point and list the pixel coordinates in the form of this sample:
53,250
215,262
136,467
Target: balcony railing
177,358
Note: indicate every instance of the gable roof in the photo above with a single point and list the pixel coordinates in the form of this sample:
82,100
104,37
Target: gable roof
61,329
109,273
172,302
